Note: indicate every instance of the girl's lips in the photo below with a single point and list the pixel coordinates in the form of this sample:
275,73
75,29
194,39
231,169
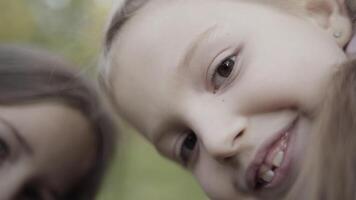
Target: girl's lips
262,153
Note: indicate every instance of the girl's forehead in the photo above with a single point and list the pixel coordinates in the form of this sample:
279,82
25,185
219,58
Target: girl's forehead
159,17
163,32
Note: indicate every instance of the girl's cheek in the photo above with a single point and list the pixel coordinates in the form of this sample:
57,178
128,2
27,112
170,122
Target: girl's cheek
263,98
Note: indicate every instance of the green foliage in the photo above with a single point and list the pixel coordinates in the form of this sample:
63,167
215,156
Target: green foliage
16,22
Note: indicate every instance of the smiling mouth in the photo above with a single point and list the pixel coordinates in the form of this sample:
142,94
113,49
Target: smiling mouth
272,161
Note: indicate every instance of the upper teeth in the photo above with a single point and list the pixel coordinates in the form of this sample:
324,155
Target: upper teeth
267,172
278,159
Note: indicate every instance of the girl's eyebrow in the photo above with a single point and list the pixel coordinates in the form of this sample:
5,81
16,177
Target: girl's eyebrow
195,44
18,136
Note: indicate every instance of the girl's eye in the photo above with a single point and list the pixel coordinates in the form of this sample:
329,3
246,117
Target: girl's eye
187,148
223,71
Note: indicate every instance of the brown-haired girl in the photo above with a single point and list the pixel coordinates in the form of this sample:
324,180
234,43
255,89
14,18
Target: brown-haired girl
56,138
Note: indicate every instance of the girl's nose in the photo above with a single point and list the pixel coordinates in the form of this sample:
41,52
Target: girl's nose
223,140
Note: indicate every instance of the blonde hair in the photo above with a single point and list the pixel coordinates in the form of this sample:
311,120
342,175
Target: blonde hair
329,171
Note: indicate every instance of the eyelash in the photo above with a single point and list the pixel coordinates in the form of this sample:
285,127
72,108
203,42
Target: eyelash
187,147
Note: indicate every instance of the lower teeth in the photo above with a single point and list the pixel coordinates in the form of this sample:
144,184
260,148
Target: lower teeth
264,179
268,176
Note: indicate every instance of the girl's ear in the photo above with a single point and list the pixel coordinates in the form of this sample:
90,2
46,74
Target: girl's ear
332,16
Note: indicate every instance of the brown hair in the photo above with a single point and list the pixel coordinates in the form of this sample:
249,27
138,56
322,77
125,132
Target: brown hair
28,76
351,4
329,171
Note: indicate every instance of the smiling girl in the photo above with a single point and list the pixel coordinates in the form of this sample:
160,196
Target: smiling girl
229,89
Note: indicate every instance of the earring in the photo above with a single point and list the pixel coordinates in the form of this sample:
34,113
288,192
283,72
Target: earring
337,34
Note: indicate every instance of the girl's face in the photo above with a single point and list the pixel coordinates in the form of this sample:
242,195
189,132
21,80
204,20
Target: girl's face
226,88
44,149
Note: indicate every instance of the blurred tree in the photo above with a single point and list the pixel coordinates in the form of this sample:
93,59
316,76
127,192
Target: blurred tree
72,28
16,22
62,26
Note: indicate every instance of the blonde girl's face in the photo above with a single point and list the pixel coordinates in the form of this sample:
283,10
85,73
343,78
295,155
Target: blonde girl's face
227,89
45,148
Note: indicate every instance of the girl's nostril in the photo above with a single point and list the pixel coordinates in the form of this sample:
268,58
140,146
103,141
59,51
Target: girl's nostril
227,158
240,134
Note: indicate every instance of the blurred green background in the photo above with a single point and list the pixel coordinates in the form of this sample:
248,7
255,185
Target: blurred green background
74,29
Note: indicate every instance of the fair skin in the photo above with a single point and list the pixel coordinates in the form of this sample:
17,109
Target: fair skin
230,93
45,148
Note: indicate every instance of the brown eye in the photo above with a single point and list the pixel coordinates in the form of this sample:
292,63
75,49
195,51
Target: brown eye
187,148
225,68
223,71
